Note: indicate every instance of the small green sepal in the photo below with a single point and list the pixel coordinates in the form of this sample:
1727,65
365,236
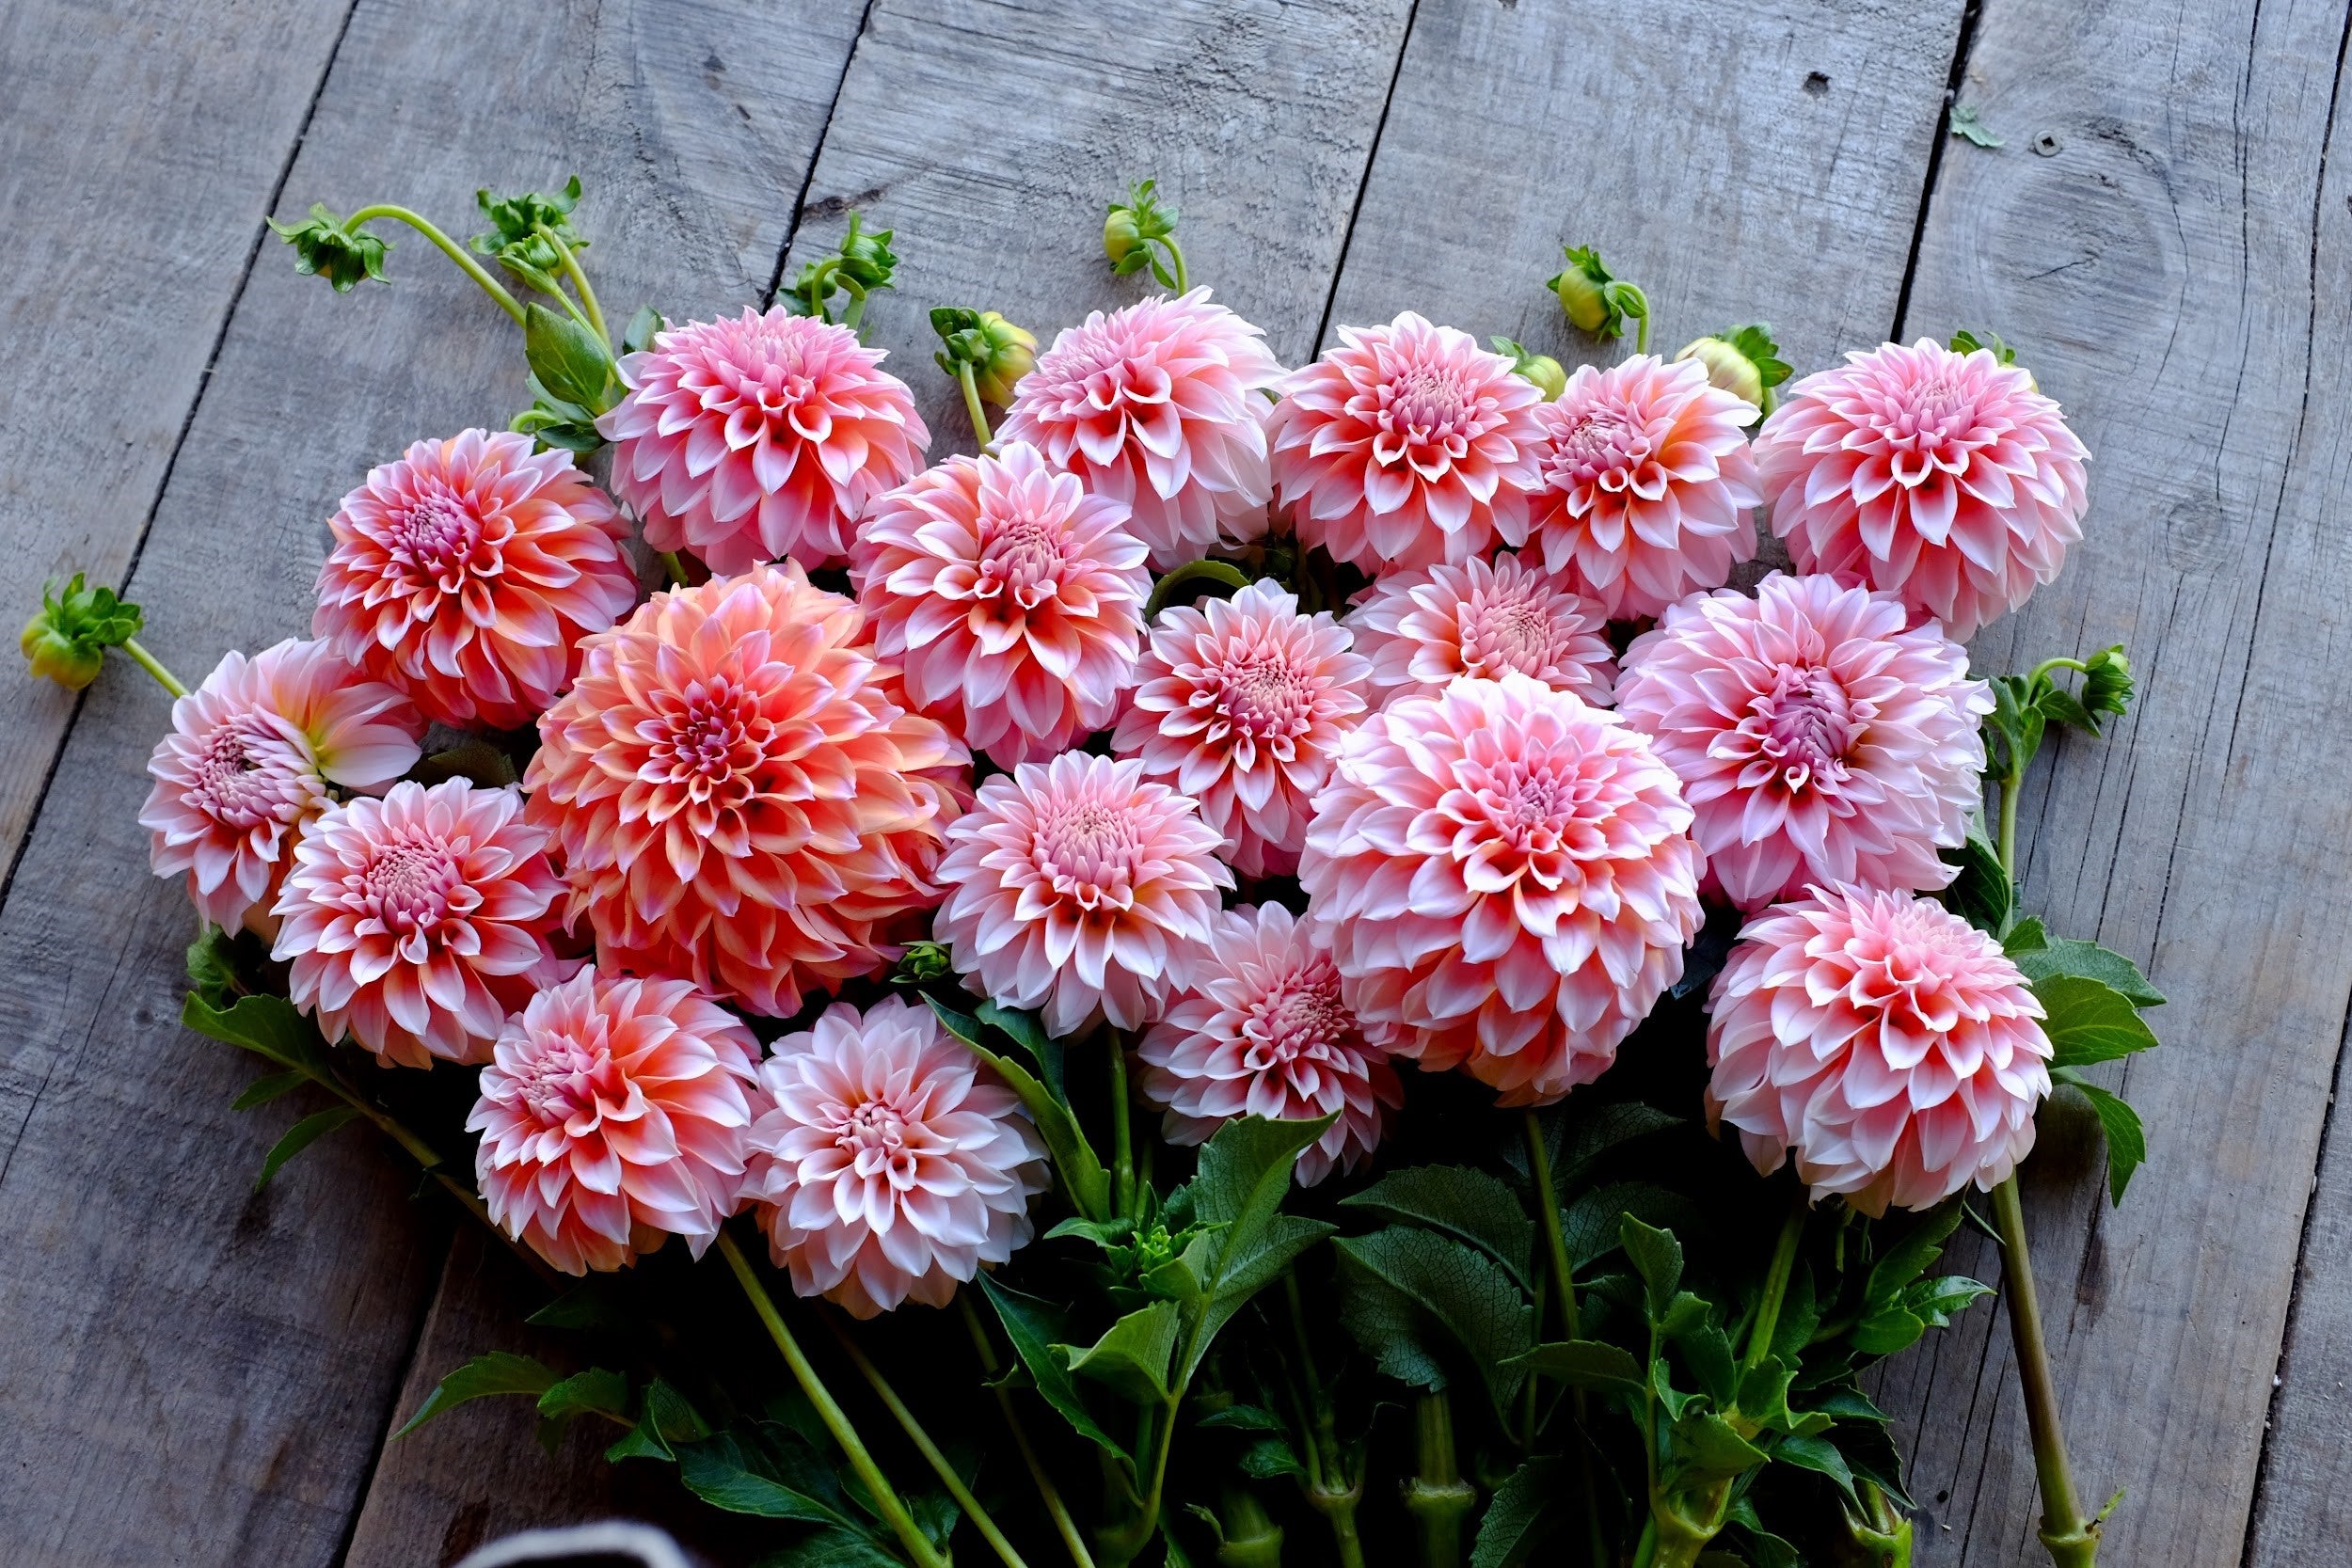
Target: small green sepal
67,638
1540,369
327,247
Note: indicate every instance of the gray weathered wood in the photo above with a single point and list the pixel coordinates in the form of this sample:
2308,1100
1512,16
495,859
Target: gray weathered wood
191,1375
2159,266
131,211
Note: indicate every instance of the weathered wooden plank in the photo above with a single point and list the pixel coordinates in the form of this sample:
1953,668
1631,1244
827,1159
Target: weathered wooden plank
191,1375
132,211
2159,267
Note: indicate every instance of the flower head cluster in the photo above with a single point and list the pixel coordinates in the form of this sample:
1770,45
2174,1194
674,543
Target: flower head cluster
466,572
888,1162
1013,598
763,437
1885,1041
1241,705
1423,630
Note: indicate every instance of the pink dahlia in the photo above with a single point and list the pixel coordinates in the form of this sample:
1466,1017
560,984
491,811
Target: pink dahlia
416,923
1645,489
614,1116
1081,887
1012,598
741,796
763,437
1158,405
1241,705
1942,478
249,760
1885,1040
1265,1030
887,1161
1422,629
1818,740
467,572
1405,446
1507,876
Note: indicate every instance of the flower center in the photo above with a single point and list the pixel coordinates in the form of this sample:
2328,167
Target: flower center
1021,557
1430,402
709,736
565,1080
1512,635
411,886
1261,695
436,535
1605,442
1087,852
1301,1016
248,775
1808,723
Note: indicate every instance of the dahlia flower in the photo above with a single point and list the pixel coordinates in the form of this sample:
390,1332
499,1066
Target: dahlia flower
1081,887
887,1161
741,796
248,762
1012,598
613,1117
763,437
1157,405
1421,629
416,921
1405,446
467,572
1816,738
1885,1040
1945,478
1645,489
1265,1030
1507,876
1241,705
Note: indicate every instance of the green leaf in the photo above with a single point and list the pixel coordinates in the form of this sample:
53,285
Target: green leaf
1593,1223
1517,1519
639,334
586,1305
1234,1265
1025,1030
1763,1395
597,1391
498,1373
569,360
1033,1325
2090,1021
213,967
1818,1454
263,1091
1270,1457
2087,961
1849,1404
665,1423
1469,1205
1102,1233
832,1549
301,1135
1800,1315
1967,126
2026,936
1131,1356
1593,1364
714,1471
1981,894
1245,1417
1455,1302
1886,1330
2127,1141
1196,575
1593,1133
1708,1350
266,1025
1082,1178
1909,1258
1868,1450
1704,1444
1657,1256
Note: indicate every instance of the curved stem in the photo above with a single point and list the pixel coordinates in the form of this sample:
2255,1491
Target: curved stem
2074,1543
1176,262
1776,1283
153,666
580,281
448,248
671,564
836,1421
1068,1529
972,402
855,311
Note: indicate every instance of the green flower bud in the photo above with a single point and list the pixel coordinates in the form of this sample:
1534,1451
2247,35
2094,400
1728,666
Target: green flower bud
922,963
1132,230
1583,287
1122,237
325,247
1741,360
1541,369
54,655
1011,354
67,641
1965,341
513,236
2107,681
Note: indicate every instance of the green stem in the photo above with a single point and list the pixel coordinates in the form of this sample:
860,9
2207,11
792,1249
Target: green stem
1564,1284
671,564
1176,261
1072,1536
153,666
2034,676
1121,1545
928,1449
836,1421
2010,789
972,402
2073,1541
856,312
580,281
448,248
1776,1283
1122,1137
1437,1496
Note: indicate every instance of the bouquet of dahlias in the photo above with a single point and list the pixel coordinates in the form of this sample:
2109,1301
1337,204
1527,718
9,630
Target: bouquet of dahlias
1338,985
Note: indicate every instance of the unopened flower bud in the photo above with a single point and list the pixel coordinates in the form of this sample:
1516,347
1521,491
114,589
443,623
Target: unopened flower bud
67,640
1581,286
54,655
1540,369
1965,341
1011,354
327,247
923,962
2107,681
1741,360
1122,236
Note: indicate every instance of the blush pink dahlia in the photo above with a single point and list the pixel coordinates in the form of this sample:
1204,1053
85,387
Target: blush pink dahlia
1645,489
888,1163
763,437
1158,405
1942,478
1241,705
248,762
416,923
467,572
1885,1040
614,1116
1265,1030
1405,446
1818,740
741,796
1423,629
1013,599
1080,887
1505,876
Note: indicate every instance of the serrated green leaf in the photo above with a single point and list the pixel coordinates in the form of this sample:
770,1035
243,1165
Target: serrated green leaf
1519,1516
1131,1356
1763,1395
1818,1454
213,967
1033,1327
2087,961
1469,1205
1233,1264
1849,1404
2026,936
1463,1305
1270,1457
1025,1030
1702,1443
498,1373
1102,1233
1593,1364
2127,1141
1657,1256
1982,894
1591,1134
2088,1021
832,1549
1909,1258
714,1470
1592,1221
1800,1315
1869,1449
301,1135
597,1391
1245,1417
1686,1314
1936,1302
1707,1349
263,1091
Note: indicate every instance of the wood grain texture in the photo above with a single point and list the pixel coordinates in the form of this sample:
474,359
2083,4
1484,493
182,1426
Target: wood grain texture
132,211
2160,269
189,1375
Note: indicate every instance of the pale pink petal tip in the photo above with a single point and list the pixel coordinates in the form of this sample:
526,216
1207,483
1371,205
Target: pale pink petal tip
1423,630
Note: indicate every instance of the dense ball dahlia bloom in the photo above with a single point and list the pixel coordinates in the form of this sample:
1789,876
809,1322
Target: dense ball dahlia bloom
1080,887
888,1162
1241,705
1943,478
467,572
613,1117
1505,874
248,762
1013,599
1885,1040
1265,1030
763,437
741,796
1422,629
1405,446
417,922
1158,405
1645,489
1818,740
